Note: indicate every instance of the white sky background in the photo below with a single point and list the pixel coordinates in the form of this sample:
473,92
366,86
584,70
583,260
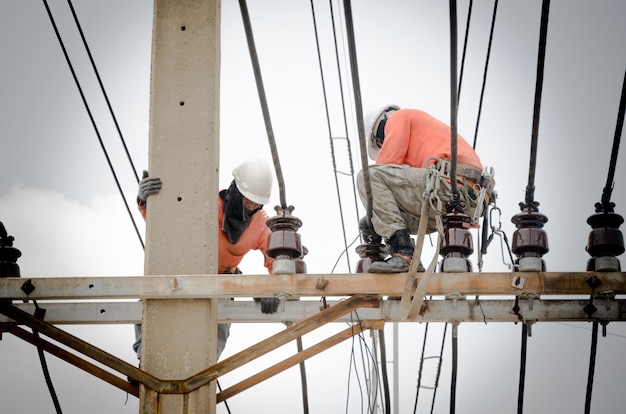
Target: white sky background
59,201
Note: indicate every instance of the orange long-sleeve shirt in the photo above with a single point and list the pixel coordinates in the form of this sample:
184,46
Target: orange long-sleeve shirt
412,137
230,254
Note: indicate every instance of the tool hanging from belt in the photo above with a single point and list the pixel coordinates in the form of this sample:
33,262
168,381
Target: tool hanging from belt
476,184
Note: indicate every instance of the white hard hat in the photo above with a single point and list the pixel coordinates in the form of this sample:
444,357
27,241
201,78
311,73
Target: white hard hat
253,179
371,123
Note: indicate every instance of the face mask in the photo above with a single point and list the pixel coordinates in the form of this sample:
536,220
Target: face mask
236,217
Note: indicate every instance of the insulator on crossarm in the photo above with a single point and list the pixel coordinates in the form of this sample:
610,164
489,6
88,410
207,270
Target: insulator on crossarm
369,252
605,240
456,244
530,241
284,244
8,255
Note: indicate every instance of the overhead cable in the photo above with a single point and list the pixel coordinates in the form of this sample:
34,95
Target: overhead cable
264,108
104,94
330,134
93,123
530,188
592,366
522,370
482,89
608,188
453,104
356,88
467,28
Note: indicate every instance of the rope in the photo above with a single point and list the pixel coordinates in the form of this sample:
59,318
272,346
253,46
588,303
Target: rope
592,365
608,188
261,90
482,90
530,188
330,134
93,123
522,370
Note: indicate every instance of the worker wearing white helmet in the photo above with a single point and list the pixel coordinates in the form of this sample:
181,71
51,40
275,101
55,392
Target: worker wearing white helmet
242,223
403,142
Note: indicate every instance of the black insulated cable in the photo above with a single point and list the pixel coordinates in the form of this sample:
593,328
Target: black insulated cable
482,89
608,188
522,370
264,108
530,188
592,366
467,28
104,93
93,122
330,133
347,6
455,201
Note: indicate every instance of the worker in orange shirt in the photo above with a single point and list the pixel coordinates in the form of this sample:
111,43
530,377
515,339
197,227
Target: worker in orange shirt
242,223
404,142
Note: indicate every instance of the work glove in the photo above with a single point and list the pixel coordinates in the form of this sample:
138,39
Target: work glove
269,305
148,186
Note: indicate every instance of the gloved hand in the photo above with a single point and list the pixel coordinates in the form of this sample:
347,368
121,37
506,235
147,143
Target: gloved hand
269,305
148,186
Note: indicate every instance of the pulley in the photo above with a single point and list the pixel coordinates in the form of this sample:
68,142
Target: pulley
605,240
8,255
284,244
456,244
530,241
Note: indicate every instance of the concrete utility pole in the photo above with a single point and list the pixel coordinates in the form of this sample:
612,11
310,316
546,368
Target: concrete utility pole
180,335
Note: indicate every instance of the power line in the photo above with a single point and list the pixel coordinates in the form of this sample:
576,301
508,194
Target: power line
93,123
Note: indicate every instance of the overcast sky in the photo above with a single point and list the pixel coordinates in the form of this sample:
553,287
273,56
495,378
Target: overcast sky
60,202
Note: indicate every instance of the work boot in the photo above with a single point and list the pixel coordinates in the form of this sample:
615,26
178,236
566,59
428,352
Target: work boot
402,249
394,264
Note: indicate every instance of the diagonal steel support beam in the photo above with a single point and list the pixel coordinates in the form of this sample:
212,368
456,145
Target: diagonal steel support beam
72,359
78,345
281,338
150,382
299,357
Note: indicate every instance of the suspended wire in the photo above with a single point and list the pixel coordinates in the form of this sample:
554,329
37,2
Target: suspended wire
93,123
383,364
608,188
592,366
522,370
467,27
264,108
106,97
419,372
443,342
530,188
482,89
46,372
454,203
343,108
303,385
225,401
358,105
455,346
330,134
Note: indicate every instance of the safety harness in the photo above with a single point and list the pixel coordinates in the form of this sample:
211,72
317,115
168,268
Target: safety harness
477,185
